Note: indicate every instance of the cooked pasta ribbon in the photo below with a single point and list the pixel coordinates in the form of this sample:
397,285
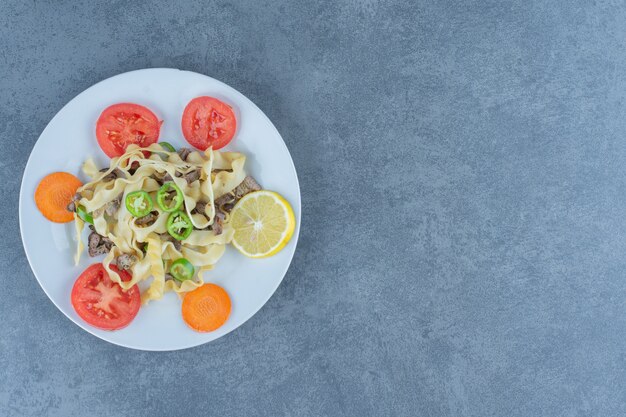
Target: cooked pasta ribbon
202,178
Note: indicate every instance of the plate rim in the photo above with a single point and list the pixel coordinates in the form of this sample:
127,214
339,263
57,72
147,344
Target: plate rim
295,237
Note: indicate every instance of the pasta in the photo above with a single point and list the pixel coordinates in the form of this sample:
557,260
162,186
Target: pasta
202,178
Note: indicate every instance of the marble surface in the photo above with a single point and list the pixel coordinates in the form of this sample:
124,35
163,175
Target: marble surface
462,167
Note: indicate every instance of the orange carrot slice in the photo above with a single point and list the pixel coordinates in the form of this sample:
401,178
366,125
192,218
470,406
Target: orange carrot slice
206,308
54,193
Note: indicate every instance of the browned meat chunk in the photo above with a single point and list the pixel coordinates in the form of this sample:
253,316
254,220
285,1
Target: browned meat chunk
166,178
218,223
200,208
167,238
192,176
113,206
93,241
226,208
126,261
116,173
226,202
72,205
148,219
183,153
248,185
225,199
97,244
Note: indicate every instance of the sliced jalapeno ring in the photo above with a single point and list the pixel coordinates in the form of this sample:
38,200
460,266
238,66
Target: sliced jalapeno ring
170,197
167,146
138,203
84,215
179,225
182,269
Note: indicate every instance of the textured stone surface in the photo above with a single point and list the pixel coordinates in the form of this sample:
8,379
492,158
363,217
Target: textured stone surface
463,171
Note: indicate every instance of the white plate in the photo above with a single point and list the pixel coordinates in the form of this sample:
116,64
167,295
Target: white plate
69,139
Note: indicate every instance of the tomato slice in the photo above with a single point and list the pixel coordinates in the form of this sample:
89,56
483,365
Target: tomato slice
208,122
101,302
123,124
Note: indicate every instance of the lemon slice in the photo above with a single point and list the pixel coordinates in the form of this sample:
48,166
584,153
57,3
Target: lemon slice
263,222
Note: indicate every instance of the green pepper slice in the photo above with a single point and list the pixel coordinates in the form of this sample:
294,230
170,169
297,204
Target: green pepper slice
138,203
182,269
170,197
84,215
179,225
167,146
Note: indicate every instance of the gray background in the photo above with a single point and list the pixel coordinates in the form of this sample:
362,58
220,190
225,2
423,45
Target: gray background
463,171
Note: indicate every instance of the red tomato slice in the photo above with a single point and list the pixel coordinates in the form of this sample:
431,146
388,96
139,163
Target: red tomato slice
123,124
101,302
208,122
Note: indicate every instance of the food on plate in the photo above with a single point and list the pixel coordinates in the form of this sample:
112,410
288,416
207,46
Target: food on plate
170,197
179,225
147,238
124,124
263,222
208,122
206,308
81,212
182,269
138,203
101,302
162,217
53,195
167,146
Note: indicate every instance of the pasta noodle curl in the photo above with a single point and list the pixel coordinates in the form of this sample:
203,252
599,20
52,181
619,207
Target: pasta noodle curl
202,178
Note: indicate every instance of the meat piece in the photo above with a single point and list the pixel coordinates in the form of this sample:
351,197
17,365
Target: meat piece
100,250
218,223
116,173
165,237
126,261
223,200
200,207
72,205
93,241
112,206
248,185
166,178
148,219
226,202
108,243
98,245
192,176
183,153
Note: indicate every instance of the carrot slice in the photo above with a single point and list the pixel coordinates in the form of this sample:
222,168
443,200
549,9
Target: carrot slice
54,193
206,308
